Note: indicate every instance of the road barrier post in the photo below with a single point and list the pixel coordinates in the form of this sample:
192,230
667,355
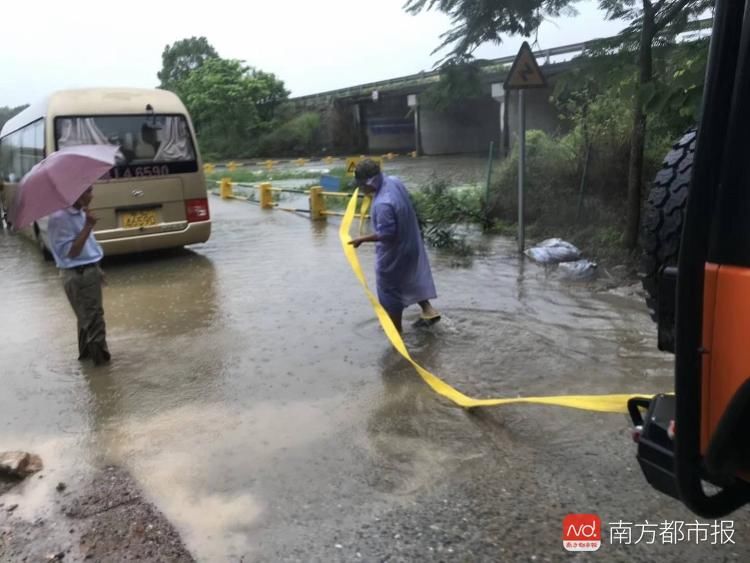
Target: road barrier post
266,197
317,204
225,188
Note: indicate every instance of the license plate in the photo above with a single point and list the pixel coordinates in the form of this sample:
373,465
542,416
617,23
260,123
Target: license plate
138,219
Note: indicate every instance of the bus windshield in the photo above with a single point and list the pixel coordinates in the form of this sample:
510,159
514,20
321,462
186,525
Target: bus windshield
160,140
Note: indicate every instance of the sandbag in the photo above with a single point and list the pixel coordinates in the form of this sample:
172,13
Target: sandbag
553,251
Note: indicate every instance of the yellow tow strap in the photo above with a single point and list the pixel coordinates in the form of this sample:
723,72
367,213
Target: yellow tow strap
600,403
363,209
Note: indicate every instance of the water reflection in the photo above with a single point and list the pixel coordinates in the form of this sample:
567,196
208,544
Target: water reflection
320,232
168,293
155,306
520,279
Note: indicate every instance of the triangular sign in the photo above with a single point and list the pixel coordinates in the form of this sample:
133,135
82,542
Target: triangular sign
525,72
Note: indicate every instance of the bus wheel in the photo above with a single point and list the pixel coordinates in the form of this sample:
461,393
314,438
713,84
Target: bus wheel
663,217
46,254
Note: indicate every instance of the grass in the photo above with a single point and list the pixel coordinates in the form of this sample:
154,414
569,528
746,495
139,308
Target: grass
258,174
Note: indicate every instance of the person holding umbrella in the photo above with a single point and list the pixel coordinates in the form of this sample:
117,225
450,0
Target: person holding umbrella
60,187
77,254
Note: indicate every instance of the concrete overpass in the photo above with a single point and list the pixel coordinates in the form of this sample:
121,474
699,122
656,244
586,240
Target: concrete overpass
386,115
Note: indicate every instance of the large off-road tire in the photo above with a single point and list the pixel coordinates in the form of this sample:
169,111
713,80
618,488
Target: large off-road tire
664,215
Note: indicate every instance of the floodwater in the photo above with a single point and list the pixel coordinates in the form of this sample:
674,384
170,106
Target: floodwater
456,170
255,399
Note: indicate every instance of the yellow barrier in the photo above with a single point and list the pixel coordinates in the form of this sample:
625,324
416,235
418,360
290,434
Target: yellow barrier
317,204
266,197
232,166
600,403
225,188
318,208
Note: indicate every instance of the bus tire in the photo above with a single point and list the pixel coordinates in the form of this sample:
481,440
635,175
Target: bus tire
664,215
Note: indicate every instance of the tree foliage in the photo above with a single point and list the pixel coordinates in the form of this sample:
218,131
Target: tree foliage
670,17
183,57
7,112
480,21
650,24
458,82
231,104
671,100
475,22
298,135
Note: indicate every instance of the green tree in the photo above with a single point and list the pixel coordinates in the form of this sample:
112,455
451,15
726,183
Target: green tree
479,21
181,58
458,82
7,112
267,91
650,22
231,104
299,135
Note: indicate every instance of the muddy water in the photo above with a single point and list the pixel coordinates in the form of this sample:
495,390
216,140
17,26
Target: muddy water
254,397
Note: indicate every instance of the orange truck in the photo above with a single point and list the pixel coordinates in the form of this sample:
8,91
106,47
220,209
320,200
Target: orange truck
696,270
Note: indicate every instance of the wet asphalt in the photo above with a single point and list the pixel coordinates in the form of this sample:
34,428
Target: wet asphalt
258,405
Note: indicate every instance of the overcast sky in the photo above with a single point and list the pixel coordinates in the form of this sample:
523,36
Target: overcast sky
312,45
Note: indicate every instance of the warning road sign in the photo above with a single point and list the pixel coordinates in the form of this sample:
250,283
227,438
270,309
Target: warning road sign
351,163
525,72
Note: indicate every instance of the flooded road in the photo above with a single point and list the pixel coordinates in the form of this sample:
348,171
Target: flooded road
256,401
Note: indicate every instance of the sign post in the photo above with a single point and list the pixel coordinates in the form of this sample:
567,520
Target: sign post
521,168
524,73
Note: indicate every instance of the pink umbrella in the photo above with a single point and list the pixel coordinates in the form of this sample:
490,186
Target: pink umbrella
59,180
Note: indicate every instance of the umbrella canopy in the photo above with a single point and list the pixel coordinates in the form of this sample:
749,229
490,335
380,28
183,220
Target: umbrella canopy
59,180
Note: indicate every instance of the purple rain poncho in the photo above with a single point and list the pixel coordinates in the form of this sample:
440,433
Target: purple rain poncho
402,270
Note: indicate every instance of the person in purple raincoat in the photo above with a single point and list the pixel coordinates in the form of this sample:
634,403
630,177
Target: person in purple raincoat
402,270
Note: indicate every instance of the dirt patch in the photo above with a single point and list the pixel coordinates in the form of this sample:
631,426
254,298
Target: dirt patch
106,520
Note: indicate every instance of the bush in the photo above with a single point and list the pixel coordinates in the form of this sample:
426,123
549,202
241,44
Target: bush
300,136
552,175
442,210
